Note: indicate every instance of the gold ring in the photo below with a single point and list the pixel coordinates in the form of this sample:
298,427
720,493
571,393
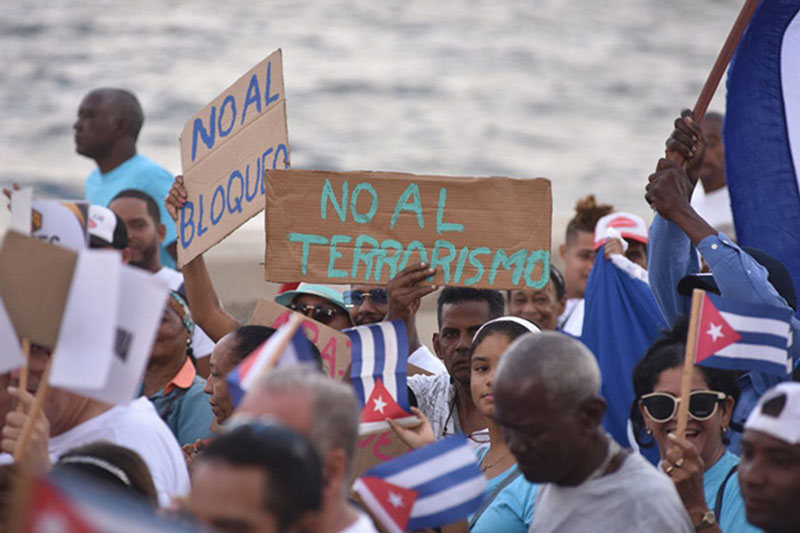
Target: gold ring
679,462
669,469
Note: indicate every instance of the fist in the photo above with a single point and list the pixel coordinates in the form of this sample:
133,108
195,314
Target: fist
668,190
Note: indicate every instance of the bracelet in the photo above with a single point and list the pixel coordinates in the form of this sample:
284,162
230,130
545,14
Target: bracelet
708,520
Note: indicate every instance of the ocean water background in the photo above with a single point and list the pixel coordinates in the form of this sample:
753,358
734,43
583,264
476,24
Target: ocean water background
580,91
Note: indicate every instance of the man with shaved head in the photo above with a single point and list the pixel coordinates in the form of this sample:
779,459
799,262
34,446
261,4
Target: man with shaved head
108,125
547,399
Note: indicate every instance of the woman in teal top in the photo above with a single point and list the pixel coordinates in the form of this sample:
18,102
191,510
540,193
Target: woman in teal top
509,497
701,468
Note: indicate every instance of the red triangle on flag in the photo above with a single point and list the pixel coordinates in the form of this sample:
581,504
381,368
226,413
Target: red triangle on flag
713,332
381,405
396,501
51,511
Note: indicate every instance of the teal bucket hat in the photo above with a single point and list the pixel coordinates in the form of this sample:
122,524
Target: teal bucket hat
333,295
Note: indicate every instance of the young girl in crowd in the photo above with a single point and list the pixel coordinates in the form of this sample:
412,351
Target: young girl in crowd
510,498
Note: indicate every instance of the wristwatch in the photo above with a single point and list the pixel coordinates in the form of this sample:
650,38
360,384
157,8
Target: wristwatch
708,520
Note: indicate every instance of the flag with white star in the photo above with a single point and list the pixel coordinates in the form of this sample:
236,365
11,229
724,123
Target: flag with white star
378,373
736,336
434,486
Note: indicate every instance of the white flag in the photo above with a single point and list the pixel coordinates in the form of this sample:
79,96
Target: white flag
84,349
142,298
11,355
21,202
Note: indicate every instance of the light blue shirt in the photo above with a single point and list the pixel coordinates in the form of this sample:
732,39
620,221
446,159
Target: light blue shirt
738,276
144,174
512,508
732,513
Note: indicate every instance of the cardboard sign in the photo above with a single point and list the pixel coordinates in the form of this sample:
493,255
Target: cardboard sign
225,149
365,227
333,345
35,279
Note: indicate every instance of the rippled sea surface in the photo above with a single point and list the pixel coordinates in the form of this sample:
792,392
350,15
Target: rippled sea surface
580,91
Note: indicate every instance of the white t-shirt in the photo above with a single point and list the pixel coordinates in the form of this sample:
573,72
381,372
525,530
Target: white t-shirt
362,525
201,343
137,426
571,320
715,208
634,498
423,358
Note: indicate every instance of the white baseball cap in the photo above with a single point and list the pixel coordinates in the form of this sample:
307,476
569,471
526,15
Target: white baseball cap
778,413
628,225
106,228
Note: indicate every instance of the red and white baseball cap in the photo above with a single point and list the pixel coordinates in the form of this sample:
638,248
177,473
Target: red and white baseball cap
628,225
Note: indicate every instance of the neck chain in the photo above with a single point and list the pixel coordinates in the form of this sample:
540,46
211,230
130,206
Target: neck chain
613,449
486,467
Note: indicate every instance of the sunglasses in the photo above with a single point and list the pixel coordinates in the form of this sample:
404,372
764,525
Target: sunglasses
356,298
321,313
662,406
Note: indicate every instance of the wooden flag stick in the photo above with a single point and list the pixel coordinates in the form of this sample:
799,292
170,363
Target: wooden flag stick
688,362
720,65
723,59
23,373
38,403
293,324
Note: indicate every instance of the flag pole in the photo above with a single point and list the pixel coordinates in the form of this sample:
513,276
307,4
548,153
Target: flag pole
293,324
720,65
38,403
688,362
23,373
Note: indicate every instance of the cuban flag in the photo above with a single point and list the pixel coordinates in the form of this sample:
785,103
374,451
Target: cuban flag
736,336
430,487
621,321
378,374
288,346
762,133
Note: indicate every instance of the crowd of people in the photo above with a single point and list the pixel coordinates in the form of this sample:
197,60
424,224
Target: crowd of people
508,370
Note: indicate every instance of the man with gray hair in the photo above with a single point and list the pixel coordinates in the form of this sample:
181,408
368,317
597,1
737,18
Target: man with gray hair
547,398
327,413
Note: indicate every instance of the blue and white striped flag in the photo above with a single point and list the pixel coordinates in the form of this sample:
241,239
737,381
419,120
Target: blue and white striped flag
378,373
288,346
430,487
736,336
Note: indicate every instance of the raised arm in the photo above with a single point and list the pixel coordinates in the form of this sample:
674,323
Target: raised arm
204,303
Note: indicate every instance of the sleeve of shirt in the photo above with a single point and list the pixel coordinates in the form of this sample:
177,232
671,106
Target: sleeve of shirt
671,256
741,278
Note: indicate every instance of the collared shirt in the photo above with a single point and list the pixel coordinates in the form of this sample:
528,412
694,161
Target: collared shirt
184,406
738,276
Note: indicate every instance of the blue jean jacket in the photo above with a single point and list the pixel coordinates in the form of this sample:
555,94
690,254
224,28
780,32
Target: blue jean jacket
739,277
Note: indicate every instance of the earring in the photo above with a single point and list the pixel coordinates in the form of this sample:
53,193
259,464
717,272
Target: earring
724,430
649,432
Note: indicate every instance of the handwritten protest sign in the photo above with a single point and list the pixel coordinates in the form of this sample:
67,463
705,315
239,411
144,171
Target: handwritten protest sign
225,149
333,345
365,227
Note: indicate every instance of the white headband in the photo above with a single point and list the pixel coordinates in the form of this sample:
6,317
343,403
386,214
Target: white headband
99,463
527,324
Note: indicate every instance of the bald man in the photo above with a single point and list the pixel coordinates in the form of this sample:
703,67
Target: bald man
108,125
547,399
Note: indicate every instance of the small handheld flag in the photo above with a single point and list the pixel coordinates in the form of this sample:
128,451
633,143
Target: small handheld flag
430,487
379,367
736,336
286,347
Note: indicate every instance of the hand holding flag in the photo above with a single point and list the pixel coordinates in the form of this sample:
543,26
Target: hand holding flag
379,368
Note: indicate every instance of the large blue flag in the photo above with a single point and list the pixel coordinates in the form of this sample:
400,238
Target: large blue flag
762,133
622,319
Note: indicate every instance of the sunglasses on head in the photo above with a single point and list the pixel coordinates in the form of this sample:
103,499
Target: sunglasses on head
662,406
321,313
355,298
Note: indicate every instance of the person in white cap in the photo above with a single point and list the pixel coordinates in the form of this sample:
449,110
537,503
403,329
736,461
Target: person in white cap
769,472
630,233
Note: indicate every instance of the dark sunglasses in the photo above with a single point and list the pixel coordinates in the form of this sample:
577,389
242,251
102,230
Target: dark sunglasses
662,406
355,298
321,313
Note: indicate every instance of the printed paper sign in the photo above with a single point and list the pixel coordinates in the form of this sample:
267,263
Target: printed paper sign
365,227
333,345
225,149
